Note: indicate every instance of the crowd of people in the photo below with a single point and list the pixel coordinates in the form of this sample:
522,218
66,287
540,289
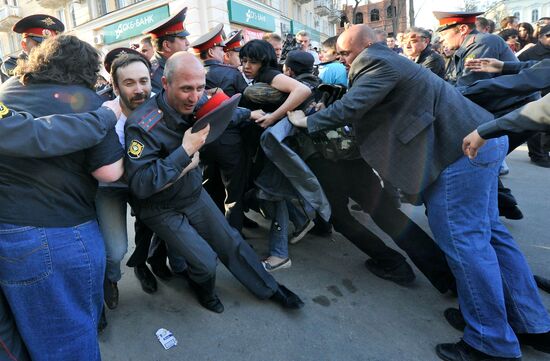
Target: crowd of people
192,136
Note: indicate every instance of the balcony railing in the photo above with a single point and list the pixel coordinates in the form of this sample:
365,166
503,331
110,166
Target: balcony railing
323,7
53,4
335,16
9,15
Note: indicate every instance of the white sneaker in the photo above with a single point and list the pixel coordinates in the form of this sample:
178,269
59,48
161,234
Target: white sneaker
300,233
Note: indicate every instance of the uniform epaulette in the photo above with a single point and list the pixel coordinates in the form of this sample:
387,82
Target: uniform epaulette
150,119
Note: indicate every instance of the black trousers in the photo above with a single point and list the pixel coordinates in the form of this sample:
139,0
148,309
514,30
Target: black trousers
225,160
355,179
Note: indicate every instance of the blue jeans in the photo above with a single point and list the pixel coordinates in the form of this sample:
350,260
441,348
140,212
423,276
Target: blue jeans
111,206
281,213
497,292
53,281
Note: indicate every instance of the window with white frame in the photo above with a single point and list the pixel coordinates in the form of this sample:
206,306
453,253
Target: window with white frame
534,15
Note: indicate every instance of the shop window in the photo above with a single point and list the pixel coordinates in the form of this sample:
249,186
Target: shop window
359,18
375,15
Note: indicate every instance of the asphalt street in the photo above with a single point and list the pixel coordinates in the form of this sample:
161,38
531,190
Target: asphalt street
350,314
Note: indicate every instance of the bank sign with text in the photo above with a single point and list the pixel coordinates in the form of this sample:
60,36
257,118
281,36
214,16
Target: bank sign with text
245,15
131,27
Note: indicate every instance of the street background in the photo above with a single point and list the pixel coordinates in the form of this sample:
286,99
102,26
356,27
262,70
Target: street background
350,314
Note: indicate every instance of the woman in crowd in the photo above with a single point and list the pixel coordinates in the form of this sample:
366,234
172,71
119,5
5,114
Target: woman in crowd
276,94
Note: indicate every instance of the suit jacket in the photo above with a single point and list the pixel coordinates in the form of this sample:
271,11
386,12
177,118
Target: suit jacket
430,59
409,123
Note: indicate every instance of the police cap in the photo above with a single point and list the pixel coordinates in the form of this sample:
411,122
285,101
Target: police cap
234,42
173,26
209,40
38,27
449,19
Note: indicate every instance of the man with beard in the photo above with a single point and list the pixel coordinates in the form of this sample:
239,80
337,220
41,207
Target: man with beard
132,84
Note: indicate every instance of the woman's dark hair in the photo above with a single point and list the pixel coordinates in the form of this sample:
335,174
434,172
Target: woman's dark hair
62,59
507,33
260,51
530,31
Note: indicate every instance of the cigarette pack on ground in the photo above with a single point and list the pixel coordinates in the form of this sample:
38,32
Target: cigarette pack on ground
166,338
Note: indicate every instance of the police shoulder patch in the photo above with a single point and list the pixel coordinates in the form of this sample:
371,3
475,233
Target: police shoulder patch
4,111
150,119
135,149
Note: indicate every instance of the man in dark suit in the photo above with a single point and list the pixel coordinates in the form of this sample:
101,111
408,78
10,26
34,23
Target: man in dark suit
416,46
416,145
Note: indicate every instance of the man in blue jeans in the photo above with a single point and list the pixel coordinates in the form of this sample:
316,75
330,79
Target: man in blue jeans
415,143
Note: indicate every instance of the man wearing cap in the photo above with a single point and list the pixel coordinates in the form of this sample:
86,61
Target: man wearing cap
458,32
168,37
417,147
233,45
34,29
167,185
226,154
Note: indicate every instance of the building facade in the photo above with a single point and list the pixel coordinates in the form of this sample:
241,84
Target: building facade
378,15
108,24
528,11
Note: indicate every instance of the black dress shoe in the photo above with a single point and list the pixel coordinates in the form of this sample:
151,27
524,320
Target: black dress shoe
401,274
513,213
461,351
102,323
543,162
249,223
146,278
539,341
543,283
161,270
110,294
287,298
455,319
206,295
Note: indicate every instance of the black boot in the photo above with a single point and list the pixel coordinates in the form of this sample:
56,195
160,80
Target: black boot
455,318
102,323
146,278
206,294
287,298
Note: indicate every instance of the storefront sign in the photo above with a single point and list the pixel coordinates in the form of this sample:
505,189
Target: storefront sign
128,28
245,15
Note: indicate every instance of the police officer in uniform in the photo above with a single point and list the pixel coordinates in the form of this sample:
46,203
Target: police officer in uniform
168,37
225,155
34,29
232,47
457,31
168,195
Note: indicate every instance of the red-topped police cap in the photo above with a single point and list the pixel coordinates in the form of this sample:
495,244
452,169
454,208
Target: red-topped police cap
113,54
38,27
209,40
217,112
173,26
234,41
450,19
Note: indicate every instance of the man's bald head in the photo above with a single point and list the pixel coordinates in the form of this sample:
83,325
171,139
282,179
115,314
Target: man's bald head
184,81
182,62
353,41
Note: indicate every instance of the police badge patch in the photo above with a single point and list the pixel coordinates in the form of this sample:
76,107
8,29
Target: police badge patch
135,149
4,110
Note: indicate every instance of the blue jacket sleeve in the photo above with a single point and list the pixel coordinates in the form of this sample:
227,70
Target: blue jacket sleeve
53,135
